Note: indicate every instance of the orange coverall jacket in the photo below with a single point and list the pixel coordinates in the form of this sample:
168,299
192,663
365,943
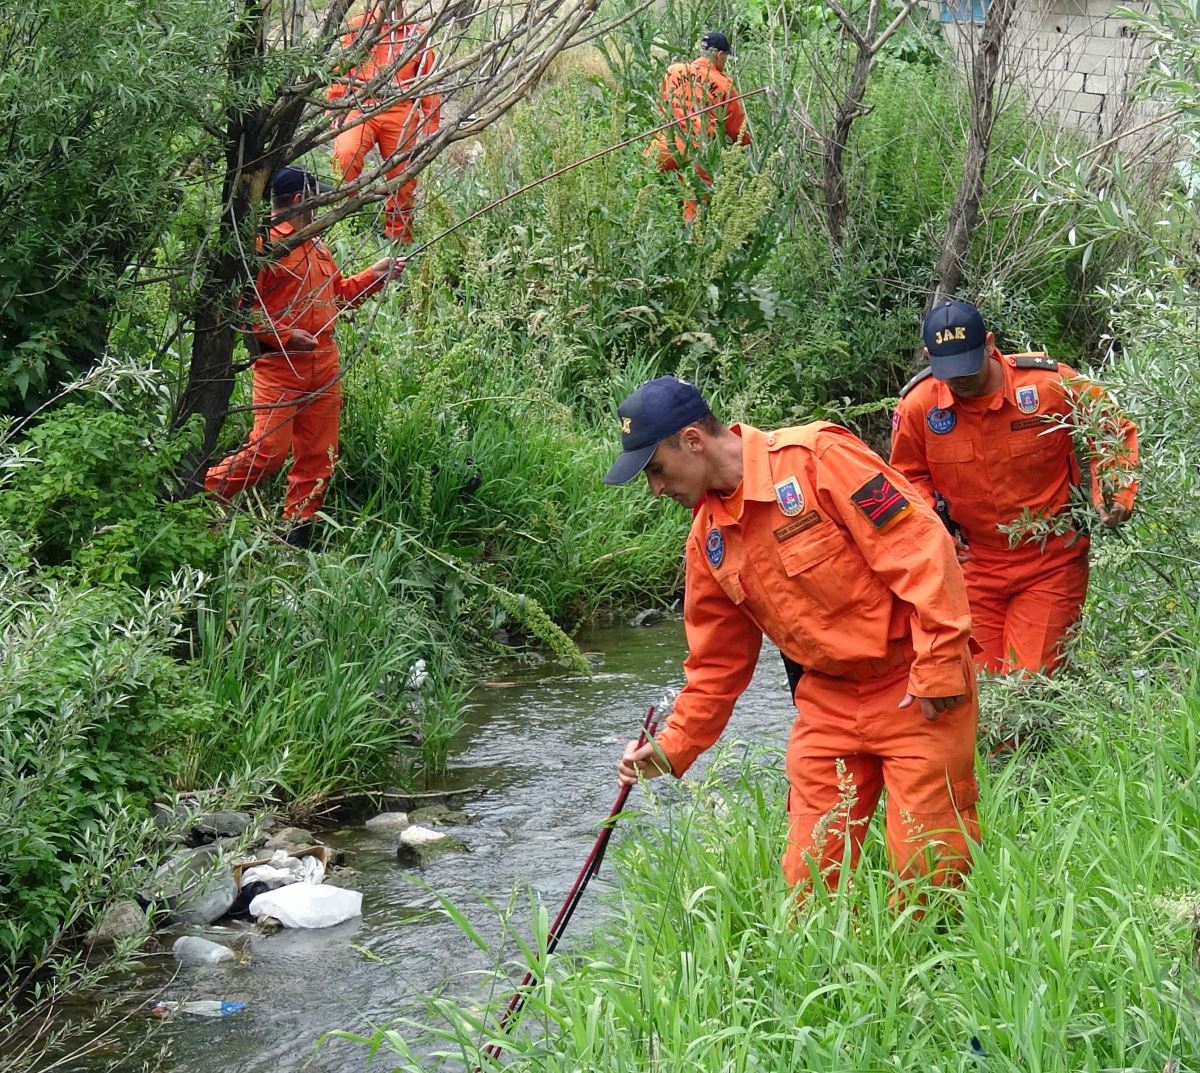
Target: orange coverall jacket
862,577
996,457
304,289
831,554
687,88
296,395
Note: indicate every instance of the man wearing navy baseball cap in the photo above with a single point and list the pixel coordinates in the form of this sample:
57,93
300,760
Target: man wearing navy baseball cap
688,89
807,537
296,394
986,437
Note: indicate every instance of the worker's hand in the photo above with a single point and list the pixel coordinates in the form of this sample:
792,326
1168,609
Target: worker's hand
301,341
932,707
1117,514
389,267
644,760
961,551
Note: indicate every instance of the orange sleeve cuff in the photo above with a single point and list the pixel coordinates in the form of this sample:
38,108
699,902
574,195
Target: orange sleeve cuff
678,748
360,287
941,677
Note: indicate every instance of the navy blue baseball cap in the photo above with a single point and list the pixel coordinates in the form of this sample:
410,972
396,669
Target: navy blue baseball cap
955,338
290,180
717,41
658,409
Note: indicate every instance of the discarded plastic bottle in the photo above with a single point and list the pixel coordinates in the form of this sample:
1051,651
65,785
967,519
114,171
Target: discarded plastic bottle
191,949
207,1007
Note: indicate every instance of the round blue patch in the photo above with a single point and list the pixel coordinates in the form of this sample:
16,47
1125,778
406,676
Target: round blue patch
941,421
715,547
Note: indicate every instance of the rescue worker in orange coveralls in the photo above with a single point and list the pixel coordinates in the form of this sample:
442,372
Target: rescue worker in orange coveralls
808,537
990,434
687,88
297,395
396,60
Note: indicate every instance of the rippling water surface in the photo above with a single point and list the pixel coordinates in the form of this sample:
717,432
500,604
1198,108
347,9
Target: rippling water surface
541,746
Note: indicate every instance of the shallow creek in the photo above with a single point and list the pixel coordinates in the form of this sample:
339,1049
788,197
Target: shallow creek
541,747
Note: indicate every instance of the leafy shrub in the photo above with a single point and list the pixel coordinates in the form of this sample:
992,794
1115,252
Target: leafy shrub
93,710
103,128
89,493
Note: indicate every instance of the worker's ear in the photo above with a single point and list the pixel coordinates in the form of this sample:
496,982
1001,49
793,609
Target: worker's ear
691,439
925,351
989,343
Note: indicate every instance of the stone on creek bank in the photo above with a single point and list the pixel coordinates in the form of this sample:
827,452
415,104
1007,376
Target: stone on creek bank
291,838
388,822
121,920
195,886
420,845
221,824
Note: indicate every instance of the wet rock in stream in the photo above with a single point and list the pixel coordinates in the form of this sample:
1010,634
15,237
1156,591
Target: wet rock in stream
388,823
290,839
437,815
419,845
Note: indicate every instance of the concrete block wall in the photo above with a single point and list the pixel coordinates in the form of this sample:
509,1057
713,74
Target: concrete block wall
1075,57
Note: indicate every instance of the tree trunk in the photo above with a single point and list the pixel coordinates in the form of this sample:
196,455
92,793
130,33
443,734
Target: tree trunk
964,216
253,149
833,173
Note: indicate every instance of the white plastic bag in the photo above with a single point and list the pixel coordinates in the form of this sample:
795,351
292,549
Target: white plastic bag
302,905
283,868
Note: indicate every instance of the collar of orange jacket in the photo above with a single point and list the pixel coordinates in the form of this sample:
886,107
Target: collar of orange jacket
756,485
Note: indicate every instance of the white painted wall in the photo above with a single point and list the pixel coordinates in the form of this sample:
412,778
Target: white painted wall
1073,56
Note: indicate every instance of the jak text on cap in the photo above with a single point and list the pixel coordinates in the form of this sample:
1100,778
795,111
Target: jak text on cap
955,339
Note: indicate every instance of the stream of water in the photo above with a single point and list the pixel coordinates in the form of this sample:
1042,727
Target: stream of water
542,747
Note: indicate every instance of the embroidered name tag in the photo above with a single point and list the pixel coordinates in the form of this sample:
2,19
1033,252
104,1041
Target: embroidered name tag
881,502
1028,422
806,521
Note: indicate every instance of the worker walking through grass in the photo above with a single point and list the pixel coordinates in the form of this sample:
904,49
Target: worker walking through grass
689,88
989,436
395,59
297,395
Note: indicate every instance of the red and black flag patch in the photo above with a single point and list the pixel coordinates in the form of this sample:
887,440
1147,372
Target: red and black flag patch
881,501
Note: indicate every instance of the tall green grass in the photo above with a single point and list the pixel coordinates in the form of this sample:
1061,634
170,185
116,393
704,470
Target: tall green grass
309,663
1071,947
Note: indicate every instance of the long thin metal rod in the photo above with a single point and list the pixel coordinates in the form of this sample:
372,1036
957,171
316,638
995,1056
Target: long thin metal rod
590,867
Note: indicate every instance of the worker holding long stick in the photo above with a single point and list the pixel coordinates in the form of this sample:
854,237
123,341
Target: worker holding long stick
806,536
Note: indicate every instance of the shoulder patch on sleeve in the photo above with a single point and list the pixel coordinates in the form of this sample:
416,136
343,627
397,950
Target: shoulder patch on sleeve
1040,360
924,374
881,501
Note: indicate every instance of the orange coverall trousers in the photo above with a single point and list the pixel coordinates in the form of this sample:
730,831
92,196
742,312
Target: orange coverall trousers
393,130
297,402
1024,601
668,162
849,741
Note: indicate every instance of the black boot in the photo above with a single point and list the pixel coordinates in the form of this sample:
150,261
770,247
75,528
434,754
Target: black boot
299,534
